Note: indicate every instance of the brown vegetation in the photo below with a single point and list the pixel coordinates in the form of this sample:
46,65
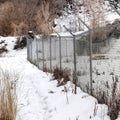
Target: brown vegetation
19,16
3,49
62,76
95,12
20,43
8,106
111,99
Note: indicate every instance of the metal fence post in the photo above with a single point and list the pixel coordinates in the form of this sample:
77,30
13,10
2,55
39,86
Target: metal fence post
37,50
90,53
31,51
74,47
50,55
43,54
55,49
75,69
60,52
28,50
74,54
90,49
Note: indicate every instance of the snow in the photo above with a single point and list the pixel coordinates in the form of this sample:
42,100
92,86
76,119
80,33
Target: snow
70,18
38,96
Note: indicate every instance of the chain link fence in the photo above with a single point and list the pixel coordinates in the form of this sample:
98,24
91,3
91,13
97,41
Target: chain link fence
72,52
65,52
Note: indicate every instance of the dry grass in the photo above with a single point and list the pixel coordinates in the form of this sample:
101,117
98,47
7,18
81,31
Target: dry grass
8,104
114,104
3,49
20,43
102,34
62,76
112,101
44,19
5,19
95,12
48,70
22,16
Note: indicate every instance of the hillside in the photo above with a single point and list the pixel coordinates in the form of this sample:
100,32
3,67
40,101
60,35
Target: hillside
38,96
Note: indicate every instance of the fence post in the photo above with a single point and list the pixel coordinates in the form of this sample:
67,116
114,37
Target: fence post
43,54
75,69
90,49
74,54
74,47
90,53
60,52
28,50
31,39
31,51
36,51
50,54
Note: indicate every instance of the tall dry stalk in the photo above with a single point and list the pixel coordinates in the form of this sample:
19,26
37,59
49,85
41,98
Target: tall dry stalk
44,19
94,10
8,104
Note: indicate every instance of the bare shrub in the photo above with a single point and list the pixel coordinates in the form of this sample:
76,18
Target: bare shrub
62,76
3,49
95,12
112,100
8,106
45,69
102,34
101,96
19,29
57,73
44,19
5,19
114,107
20,43
114,104
24,15
18,17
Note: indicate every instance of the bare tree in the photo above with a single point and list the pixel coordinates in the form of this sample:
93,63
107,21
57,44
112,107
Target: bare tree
24,15
95,12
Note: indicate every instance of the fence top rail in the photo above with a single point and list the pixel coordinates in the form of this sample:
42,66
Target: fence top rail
79,34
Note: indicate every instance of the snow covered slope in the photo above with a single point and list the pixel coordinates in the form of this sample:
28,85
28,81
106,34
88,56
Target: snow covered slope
40,99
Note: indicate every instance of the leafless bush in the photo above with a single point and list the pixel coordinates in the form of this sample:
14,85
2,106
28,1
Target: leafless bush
44,19
62,76
5,19
102,34
101,96
3,49
111,99
19,16
114,104
48,70
19,29
95,12
8,106
20,43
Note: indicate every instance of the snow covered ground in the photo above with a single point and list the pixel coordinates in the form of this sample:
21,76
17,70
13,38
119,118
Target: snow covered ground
70,17
38,96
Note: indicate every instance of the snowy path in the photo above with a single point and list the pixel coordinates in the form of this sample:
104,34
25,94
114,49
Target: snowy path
35,102
30,100
40,99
